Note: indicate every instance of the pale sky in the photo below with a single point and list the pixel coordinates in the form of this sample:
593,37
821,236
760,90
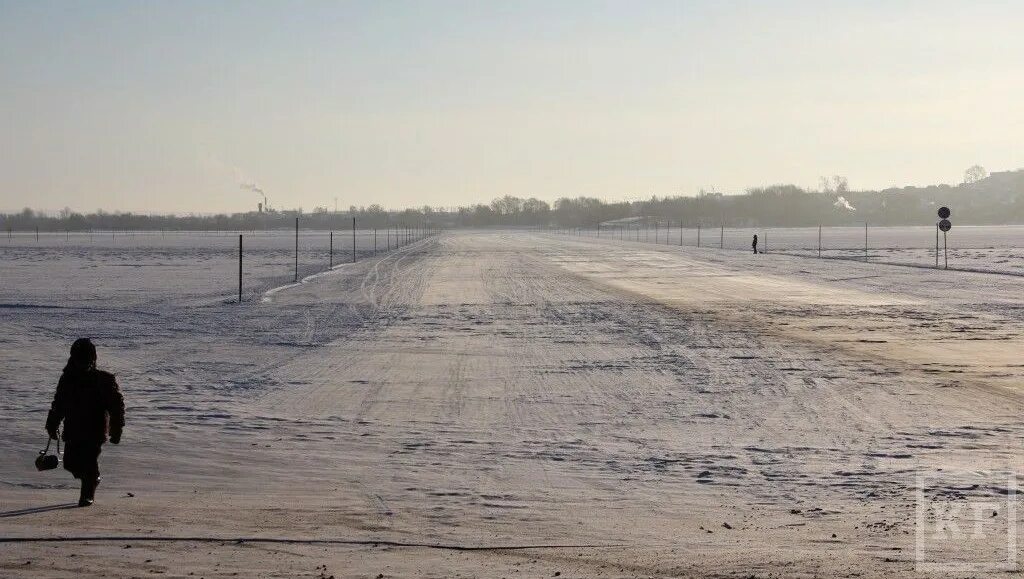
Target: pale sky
167,106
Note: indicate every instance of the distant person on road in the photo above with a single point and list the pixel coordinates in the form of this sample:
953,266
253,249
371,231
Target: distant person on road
754,244
90,404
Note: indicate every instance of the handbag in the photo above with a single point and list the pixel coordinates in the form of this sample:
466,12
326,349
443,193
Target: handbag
47,461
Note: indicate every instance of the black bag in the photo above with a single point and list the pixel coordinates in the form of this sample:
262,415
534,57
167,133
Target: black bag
46,461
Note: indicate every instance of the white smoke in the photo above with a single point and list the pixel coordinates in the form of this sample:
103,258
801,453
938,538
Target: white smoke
251,187
255,189
842,203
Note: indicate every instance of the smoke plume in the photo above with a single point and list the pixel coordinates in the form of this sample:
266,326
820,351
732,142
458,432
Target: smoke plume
842,203
252,187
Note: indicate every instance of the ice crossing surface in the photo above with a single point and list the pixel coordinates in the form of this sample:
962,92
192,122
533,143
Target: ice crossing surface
667,410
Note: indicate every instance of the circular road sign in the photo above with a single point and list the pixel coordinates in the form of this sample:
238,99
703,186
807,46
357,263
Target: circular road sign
945,225
943,212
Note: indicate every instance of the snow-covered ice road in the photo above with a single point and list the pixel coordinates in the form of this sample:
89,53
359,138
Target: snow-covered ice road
621,409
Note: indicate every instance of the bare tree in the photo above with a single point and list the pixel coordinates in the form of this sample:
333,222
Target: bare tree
834,184
974,173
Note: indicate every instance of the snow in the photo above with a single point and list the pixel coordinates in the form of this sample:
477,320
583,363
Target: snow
995,248
608,406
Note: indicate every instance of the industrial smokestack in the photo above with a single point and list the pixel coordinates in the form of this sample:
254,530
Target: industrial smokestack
252,187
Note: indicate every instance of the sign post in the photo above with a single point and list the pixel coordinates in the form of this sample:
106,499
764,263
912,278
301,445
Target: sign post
945,249
944,225
865,241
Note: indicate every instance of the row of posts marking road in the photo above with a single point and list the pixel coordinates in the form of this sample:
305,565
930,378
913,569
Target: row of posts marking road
657,234
114,233
408,235
631,233
403,236
68,232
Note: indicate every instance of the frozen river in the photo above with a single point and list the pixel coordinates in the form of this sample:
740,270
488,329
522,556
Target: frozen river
510,404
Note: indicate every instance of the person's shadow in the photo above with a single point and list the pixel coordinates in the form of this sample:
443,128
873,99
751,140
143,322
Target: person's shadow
34,510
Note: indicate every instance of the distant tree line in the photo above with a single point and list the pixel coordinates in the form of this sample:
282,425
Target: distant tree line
981,199
366,217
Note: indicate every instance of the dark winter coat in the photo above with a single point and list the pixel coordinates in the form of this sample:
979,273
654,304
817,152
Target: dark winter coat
90,404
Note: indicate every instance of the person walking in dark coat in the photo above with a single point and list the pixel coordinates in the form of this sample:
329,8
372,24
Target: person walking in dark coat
754,244
90,404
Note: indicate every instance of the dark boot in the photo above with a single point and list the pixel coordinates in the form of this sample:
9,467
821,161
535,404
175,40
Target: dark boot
89,485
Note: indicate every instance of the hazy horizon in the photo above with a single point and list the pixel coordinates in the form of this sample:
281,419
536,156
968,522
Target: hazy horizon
51,211
170,107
